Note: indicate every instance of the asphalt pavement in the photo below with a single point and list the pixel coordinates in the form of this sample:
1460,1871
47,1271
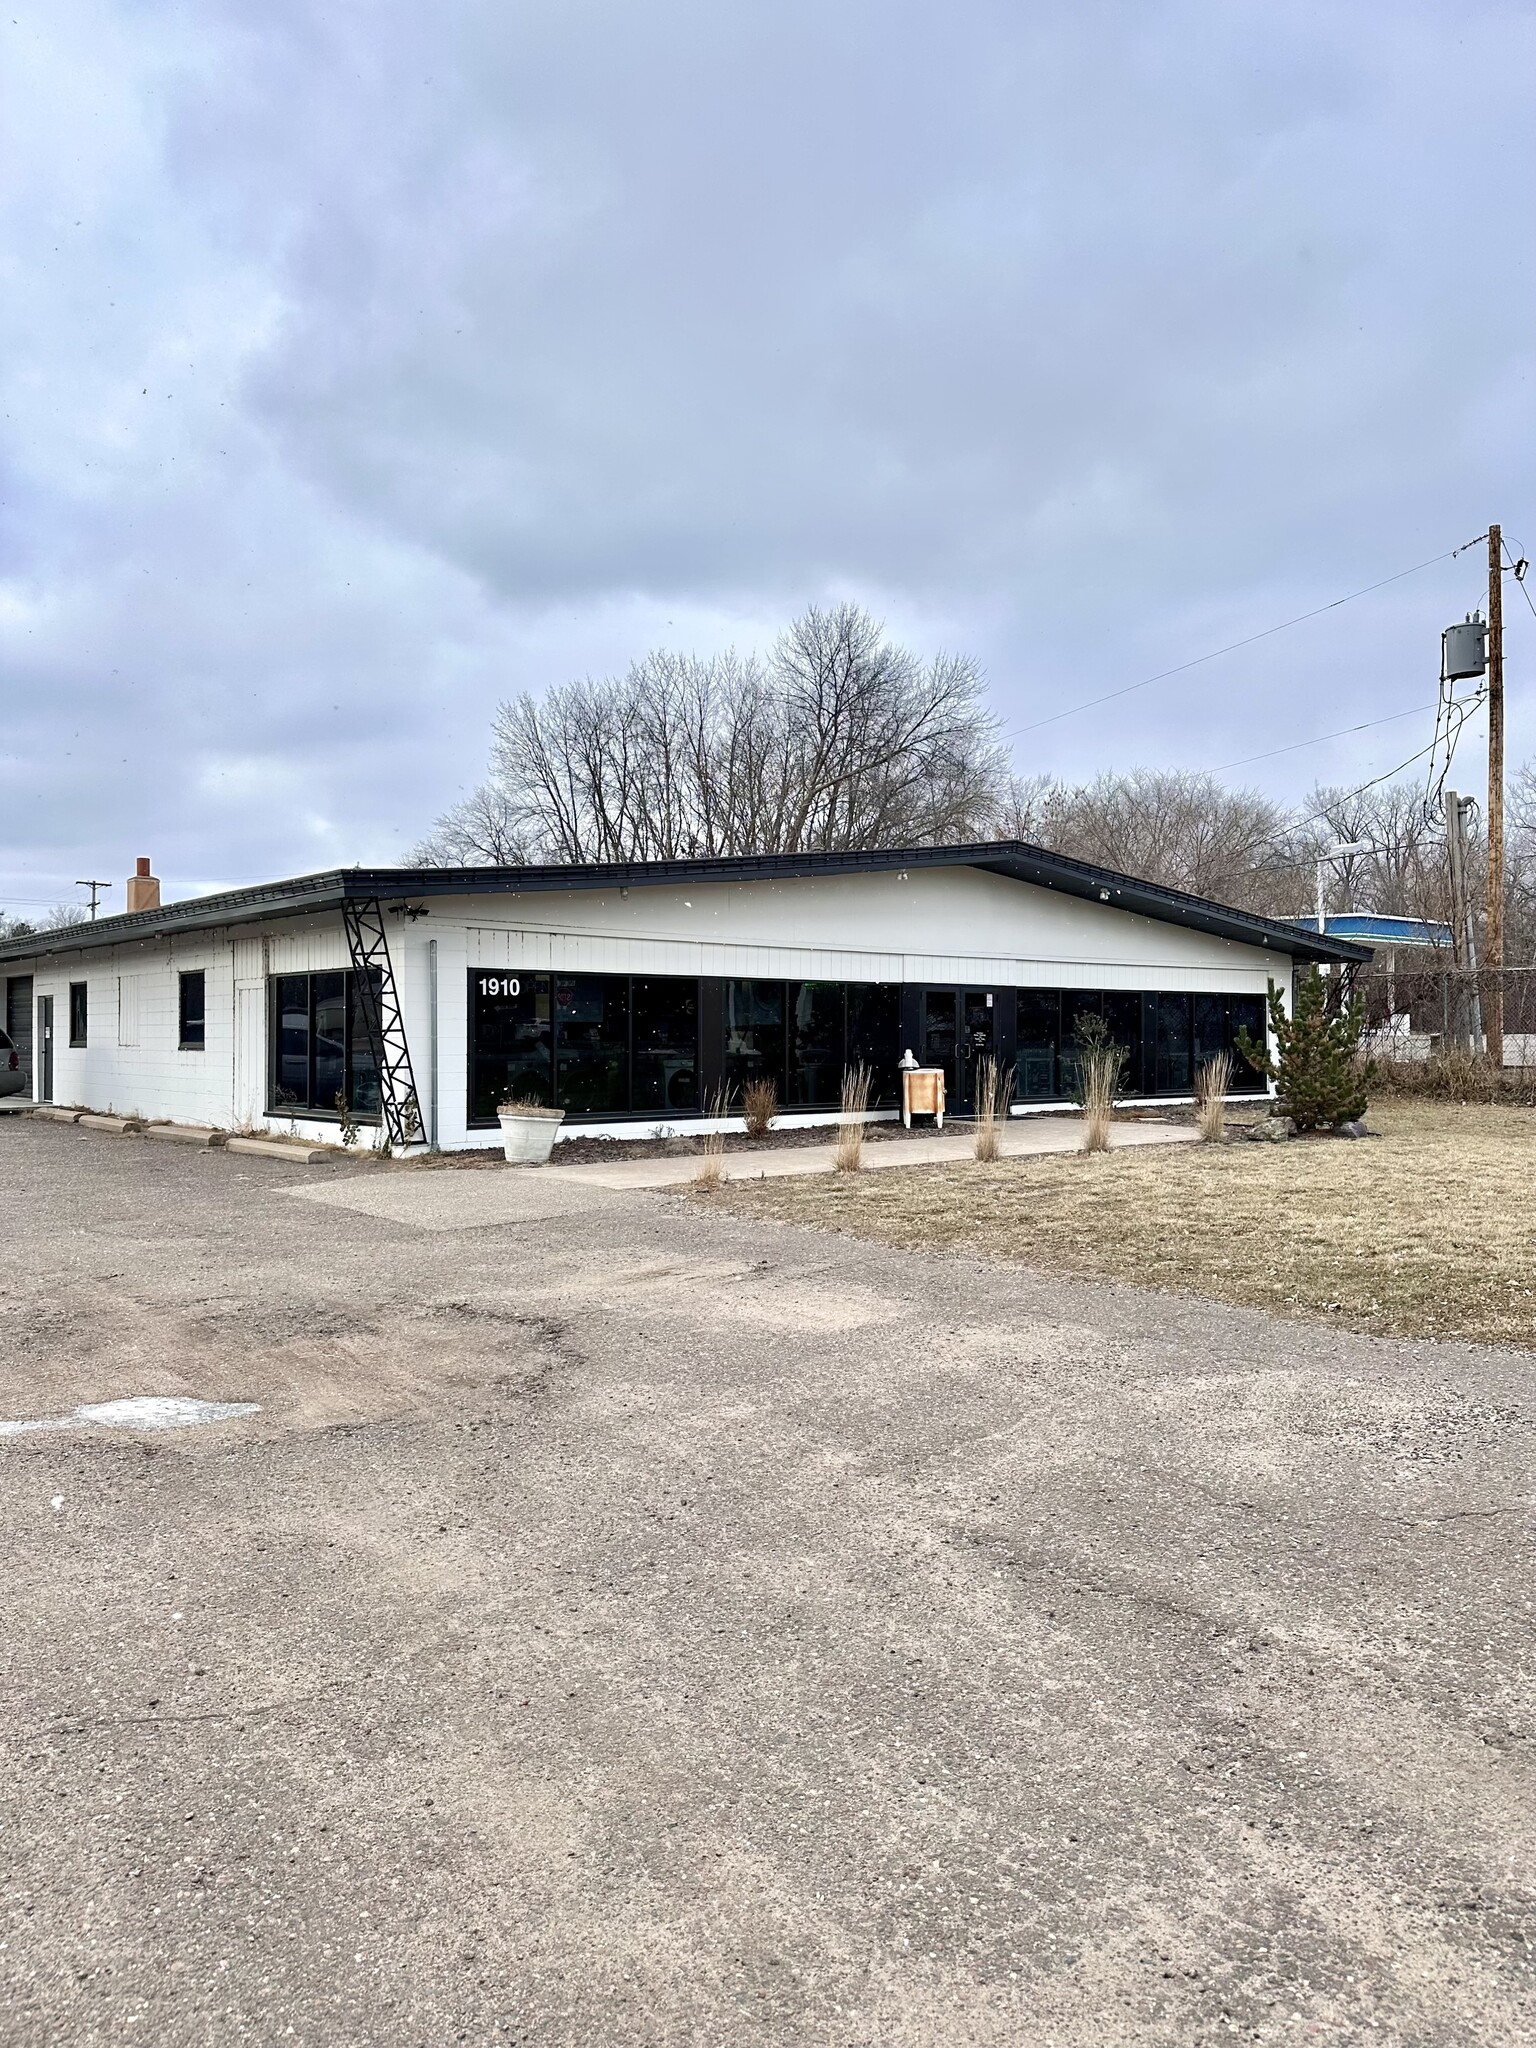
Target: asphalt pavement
621,1623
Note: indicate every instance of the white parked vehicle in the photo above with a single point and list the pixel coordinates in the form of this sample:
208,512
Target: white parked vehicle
12,1076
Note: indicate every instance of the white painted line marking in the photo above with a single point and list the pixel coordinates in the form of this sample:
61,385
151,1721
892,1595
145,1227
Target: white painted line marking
143,1411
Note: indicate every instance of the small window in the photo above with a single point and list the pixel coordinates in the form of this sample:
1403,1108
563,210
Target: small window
191,1011
77,1013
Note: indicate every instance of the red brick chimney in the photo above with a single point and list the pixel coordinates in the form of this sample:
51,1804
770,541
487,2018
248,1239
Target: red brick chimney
143,888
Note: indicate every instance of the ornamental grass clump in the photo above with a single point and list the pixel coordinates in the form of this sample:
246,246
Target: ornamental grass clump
1101,1074
1211,1085
994,1090
849,1156
759,1107
1321,1076
711,1167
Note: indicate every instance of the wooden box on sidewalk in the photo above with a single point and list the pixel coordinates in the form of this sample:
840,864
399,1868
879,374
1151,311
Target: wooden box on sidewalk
922,1094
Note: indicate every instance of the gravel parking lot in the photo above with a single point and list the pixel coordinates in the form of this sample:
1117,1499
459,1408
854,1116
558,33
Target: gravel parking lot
624,1622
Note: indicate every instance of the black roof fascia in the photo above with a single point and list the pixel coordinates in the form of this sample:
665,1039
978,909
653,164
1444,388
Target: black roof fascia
1013,858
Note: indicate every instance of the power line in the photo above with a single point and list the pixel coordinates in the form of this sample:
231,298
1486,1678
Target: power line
1520,580
1317,817
1343,733
1018,732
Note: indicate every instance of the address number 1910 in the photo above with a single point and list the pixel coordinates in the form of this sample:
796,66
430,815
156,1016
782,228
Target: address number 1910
500,985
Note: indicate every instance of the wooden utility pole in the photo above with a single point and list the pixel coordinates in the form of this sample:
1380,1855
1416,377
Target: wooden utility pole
1493,949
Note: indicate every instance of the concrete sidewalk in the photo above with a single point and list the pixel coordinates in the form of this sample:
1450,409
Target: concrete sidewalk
1023,1138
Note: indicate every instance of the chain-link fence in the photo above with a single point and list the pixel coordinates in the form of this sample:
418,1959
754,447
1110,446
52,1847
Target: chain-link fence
1414,1011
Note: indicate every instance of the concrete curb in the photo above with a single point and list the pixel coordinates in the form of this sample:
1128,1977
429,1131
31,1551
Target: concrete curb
186,1134
275,1148
119,1126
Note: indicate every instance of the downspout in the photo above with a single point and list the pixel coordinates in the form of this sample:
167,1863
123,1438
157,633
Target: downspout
432,1053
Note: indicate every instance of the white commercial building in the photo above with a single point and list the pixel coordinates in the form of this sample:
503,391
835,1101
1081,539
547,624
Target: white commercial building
411,1001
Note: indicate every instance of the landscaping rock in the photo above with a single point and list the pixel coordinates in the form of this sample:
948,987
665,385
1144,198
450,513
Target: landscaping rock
1273,1130
1355,1129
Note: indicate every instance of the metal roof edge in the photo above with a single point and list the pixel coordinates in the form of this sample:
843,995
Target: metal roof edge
292,898
1014,858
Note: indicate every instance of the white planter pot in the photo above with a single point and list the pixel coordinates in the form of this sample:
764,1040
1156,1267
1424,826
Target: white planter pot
528,1137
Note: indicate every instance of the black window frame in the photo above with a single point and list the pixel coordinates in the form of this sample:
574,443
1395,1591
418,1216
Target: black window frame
551,1061
184,1020
79,1014
353,1067
867,1026
1035,1004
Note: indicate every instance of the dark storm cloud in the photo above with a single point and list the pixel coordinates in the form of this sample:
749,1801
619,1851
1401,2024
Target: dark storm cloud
369,363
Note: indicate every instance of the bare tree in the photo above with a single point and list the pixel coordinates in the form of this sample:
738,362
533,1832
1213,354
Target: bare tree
1403,871
840,739
1188,831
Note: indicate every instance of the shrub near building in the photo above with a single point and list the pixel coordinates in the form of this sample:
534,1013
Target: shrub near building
1321,1077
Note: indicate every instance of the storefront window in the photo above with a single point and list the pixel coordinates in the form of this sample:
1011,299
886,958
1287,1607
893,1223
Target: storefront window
754,1035
322,1047
592,1043
874,1028
666,1044
1039,1012
815,1043
511,1039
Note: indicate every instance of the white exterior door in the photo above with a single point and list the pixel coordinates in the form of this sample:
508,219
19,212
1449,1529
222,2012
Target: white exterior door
250,1052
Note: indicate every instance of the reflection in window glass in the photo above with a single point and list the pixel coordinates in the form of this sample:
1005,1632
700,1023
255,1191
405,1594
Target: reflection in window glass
78,1014
1246,1013
1210,1028
815,1043
321,1045
754,1035
1039,1013
363,1091
329,1039
291,1082
1173,1044
666,1014
939,1030
1121,1010
874,1031
511,1042
191,1006
592,1043
1076,1004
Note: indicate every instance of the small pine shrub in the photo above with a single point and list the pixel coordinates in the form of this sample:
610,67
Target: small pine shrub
1321,1076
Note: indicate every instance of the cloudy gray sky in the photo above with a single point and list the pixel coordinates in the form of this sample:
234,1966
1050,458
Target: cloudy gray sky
363,362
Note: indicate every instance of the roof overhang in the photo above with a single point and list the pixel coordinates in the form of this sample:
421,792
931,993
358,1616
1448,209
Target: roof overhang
307,895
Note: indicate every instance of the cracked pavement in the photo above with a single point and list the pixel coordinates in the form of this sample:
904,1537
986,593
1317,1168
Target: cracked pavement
627,1624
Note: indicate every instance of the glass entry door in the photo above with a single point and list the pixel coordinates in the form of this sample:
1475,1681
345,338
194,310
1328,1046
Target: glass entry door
959,1030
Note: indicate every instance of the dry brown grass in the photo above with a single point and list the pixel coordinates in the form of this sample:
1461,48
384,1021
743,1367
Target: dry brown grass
710,1173
849,1156
1101,1070
759,1107
1454,1075
1211,1086
1424,1232
994,1092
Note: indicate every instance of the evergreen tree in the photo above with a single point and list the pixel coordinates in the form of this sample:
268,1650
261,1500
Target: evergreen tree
1321,1076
